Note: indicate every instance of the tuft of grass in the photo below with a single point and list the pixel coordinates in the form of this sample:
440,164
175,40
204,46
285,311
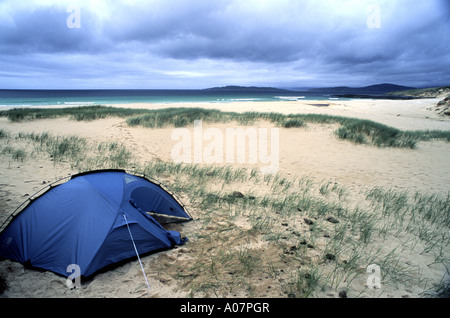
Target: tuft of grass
3,134
440,290
16,154
3,283
293,123
365,131
304,282
19,155
356,137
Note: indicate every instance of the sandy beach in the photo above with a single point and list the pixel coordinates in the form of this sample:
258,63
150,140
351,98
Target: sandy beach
313,152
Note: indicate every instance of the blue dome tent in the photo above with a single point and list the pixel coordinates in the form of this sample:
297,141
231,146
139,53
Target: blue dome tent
93,220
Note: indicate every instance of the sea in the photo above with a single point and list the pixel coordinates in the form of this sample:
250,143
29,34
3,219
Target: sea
30,98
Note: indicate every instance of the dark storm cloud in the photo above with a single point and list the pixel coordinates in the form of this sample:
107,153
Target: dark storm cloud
235,41
45,30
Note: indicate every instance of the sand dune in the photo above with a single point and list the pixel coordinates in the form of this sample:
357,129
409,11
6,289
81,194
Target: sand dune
313,151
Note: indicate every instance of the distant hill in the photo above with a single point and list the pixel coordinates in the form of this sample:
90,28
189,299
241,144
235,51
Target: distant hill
424,92
442,108
379,89
245,89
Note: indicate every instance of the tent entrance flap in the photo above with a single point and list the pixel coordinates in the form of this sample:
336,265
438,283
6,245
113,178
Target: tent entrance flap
152,198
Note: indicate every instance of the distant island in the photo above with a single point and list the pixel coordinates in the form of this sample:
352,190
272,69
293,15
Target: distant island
233,88
430,92
378,89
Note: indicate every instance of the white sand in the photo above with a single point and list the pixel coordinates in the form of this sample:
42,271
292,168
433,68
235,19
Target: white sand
311,151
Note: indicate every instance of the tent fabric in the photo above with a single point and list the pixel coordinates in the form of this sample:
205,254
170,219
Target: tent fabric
82,222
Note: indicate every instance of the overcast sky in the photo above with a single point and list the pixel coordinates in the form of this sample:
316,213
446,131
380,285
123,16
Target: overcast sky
205,43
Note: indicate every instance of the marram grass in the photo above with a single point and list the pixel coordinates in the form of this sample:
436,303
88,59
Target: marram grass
359,131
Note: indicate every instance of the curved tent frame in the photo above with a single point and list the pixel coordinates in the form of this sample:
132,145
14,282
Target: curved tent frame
61,181
150,236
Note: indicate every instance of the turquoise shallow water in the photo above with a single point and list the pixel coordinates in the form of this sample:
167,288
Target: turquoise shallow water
24,98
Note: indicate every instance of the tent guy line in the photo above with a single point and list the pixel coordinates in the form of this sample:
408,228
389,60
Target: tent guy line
135,249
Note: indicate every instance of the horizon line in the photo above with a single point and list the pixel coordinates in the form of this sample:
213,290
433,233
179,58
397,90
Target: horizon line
225,86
